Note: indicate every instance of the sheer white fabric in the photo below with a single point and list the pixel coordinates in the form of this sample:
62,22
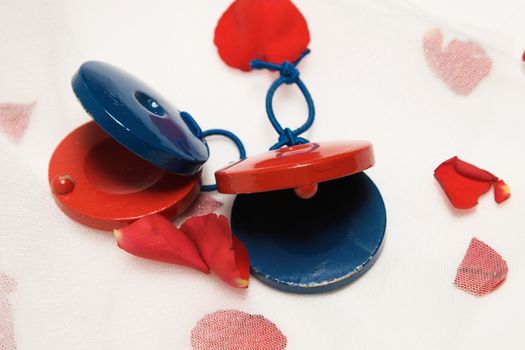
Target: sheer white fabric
370,80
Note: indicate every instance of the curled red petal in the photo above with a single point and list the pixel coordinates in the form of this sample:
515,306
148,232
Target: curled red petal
481,270
270,30
156,238
462,191
472,171
464,183
501,191
225,255
242,259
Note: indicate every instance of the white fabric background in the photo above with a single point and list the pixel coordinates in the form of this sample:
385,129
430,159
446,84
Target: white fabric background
369,79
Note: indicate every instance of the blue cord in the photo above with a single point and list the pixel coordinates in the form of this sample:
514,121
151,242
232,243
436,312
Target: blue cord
192,124
197,131
289,74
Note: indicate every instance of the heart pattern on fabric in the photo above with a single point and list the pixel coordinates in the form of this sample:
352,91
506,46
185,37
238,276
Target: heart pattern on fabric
462,65
7,335
482,269
236,330
202,205
14,118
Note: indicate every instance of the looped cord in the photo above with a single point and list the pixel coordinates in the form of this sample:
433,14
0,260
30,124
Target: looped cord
288,74
197,131
231,136
192,124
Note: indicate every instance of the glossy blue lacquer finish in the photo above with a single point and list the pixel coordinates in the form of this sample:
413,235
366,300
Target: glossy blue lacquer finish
314,245
139,118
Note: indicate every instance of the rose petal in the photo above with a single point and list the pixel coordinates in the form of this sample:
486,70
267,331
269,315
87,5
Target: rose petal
464,183
156,238
501,191
226,256
472,171
481,270
269,30
462,191
242,259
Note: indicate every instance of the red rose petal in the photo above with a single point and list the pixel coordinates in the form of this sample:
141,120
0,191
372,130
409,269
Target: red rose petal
463,192
481,270
269,30
472,171
242,259
464,183
225,255
156,238
501,191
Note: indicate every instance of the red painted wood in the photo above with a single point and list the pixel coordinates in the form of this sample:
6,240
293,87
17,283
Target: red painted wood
101,184
300,167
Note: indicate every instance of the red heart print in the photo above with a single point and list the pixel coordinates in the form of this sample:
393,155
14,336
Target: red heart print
482,269
236,330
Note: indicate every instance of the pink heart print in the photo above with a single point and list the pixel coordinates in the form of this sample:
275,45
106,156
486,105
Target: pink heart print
236,330
202,205
462,65
482,269
7,336
14,118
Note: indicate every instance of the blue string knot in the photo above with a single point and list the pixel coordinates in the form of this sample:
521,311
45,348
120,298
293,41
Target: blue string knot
288,137
288,74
